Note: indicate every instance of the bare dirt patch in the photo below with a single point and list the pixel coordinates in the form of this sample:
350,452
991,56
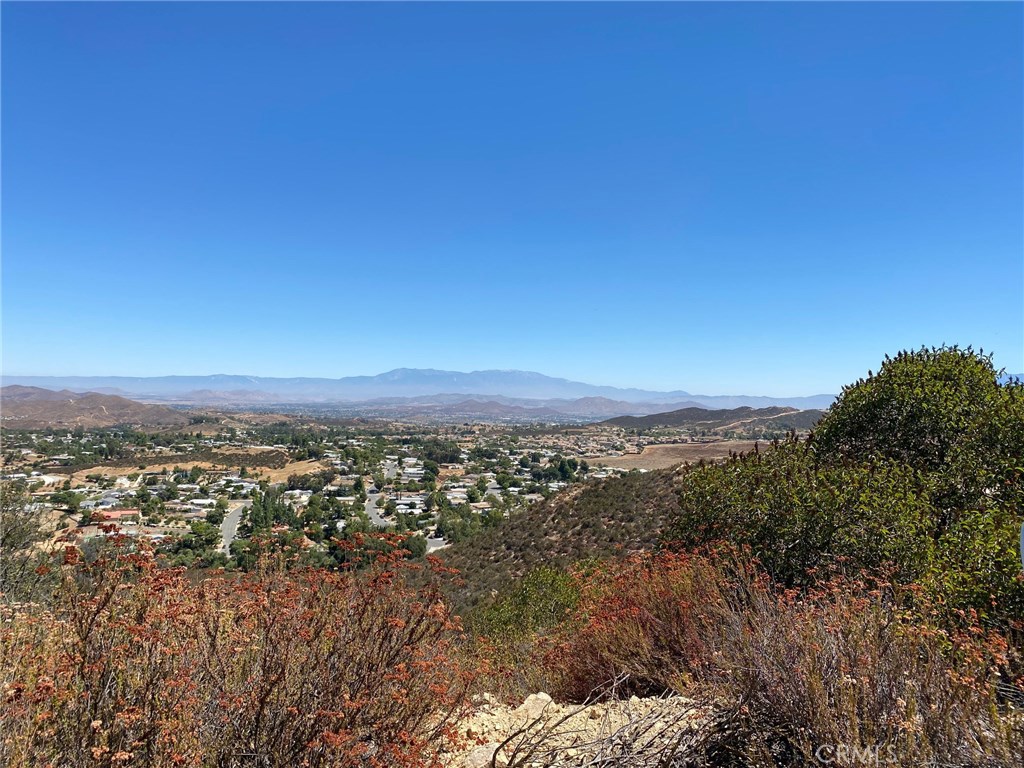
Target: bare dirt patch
294,468
670,455
543,732
449,471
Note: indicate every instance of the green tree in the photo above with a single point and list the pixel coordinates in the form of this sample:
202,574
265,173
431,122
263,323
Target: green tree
916,471
940,410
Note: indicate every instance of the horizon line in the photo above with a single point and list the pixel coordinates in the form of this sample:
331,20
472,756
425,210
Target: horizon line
677,392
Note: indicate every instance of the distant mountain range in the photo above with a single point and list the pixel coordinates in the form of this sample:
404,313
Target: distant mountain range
35,408
496,385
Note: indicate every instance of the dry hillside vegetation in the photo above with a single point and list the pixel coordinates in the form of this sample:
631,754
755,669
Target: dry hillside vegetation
603,518
854,598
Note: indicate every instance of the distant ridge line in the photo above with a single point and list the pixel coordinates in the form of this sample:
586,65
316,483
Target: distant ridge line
400,382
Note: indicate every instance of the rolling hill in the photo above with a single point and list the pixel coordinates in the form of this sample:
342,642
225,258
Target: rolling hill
36,408
701,418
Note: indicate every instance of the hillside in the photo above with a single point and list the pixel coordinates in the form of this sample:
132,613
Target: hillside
36,408
599,519
701,418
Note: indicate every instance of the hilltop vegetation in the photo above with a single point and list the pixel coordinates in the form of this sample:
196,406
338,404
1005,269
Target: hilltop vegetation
916,468
882,551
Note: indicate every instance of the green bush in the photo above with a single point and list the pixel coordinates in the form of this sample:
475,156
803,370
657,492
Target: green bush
940,410
539,600
507,627
797,515
916,472
977,567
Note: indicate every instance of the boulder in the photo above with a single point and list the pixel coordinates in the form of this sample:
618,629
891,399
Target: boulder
534,706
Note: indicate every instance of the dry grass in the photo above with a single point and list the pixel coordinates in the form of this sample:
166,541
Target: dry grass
79,476
293,468
230,461
672,455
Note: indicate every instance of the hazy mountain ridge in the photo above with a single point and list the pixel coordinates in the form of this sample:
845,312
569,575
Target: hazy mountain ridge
401,382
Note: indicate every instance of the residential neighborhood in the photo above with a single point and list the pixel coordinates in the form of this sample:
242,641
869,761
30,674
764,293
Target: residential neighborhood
311,484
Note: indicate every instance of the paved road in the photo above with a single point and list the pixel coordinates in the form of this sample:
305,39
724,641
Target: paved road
434,544
373,513
229,528
390,470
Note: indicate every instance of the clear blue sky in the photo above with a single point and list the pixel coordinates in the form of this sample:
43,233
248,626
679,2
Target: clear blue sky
718,198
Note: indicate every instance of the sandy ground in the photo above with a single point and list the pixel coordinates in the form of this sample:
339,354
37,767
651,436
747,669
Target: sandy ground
447,473
662,456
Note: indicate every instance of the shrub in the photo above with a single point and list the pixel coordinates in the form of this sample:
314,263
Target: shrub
847,675
798,515
977,569
541,599
505,629
845,502
137,665
941,410
648,620
851,665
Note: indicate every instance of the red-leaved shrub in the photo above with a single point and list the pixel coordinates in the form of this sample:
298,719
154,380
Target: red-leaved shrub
852,667
139,666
